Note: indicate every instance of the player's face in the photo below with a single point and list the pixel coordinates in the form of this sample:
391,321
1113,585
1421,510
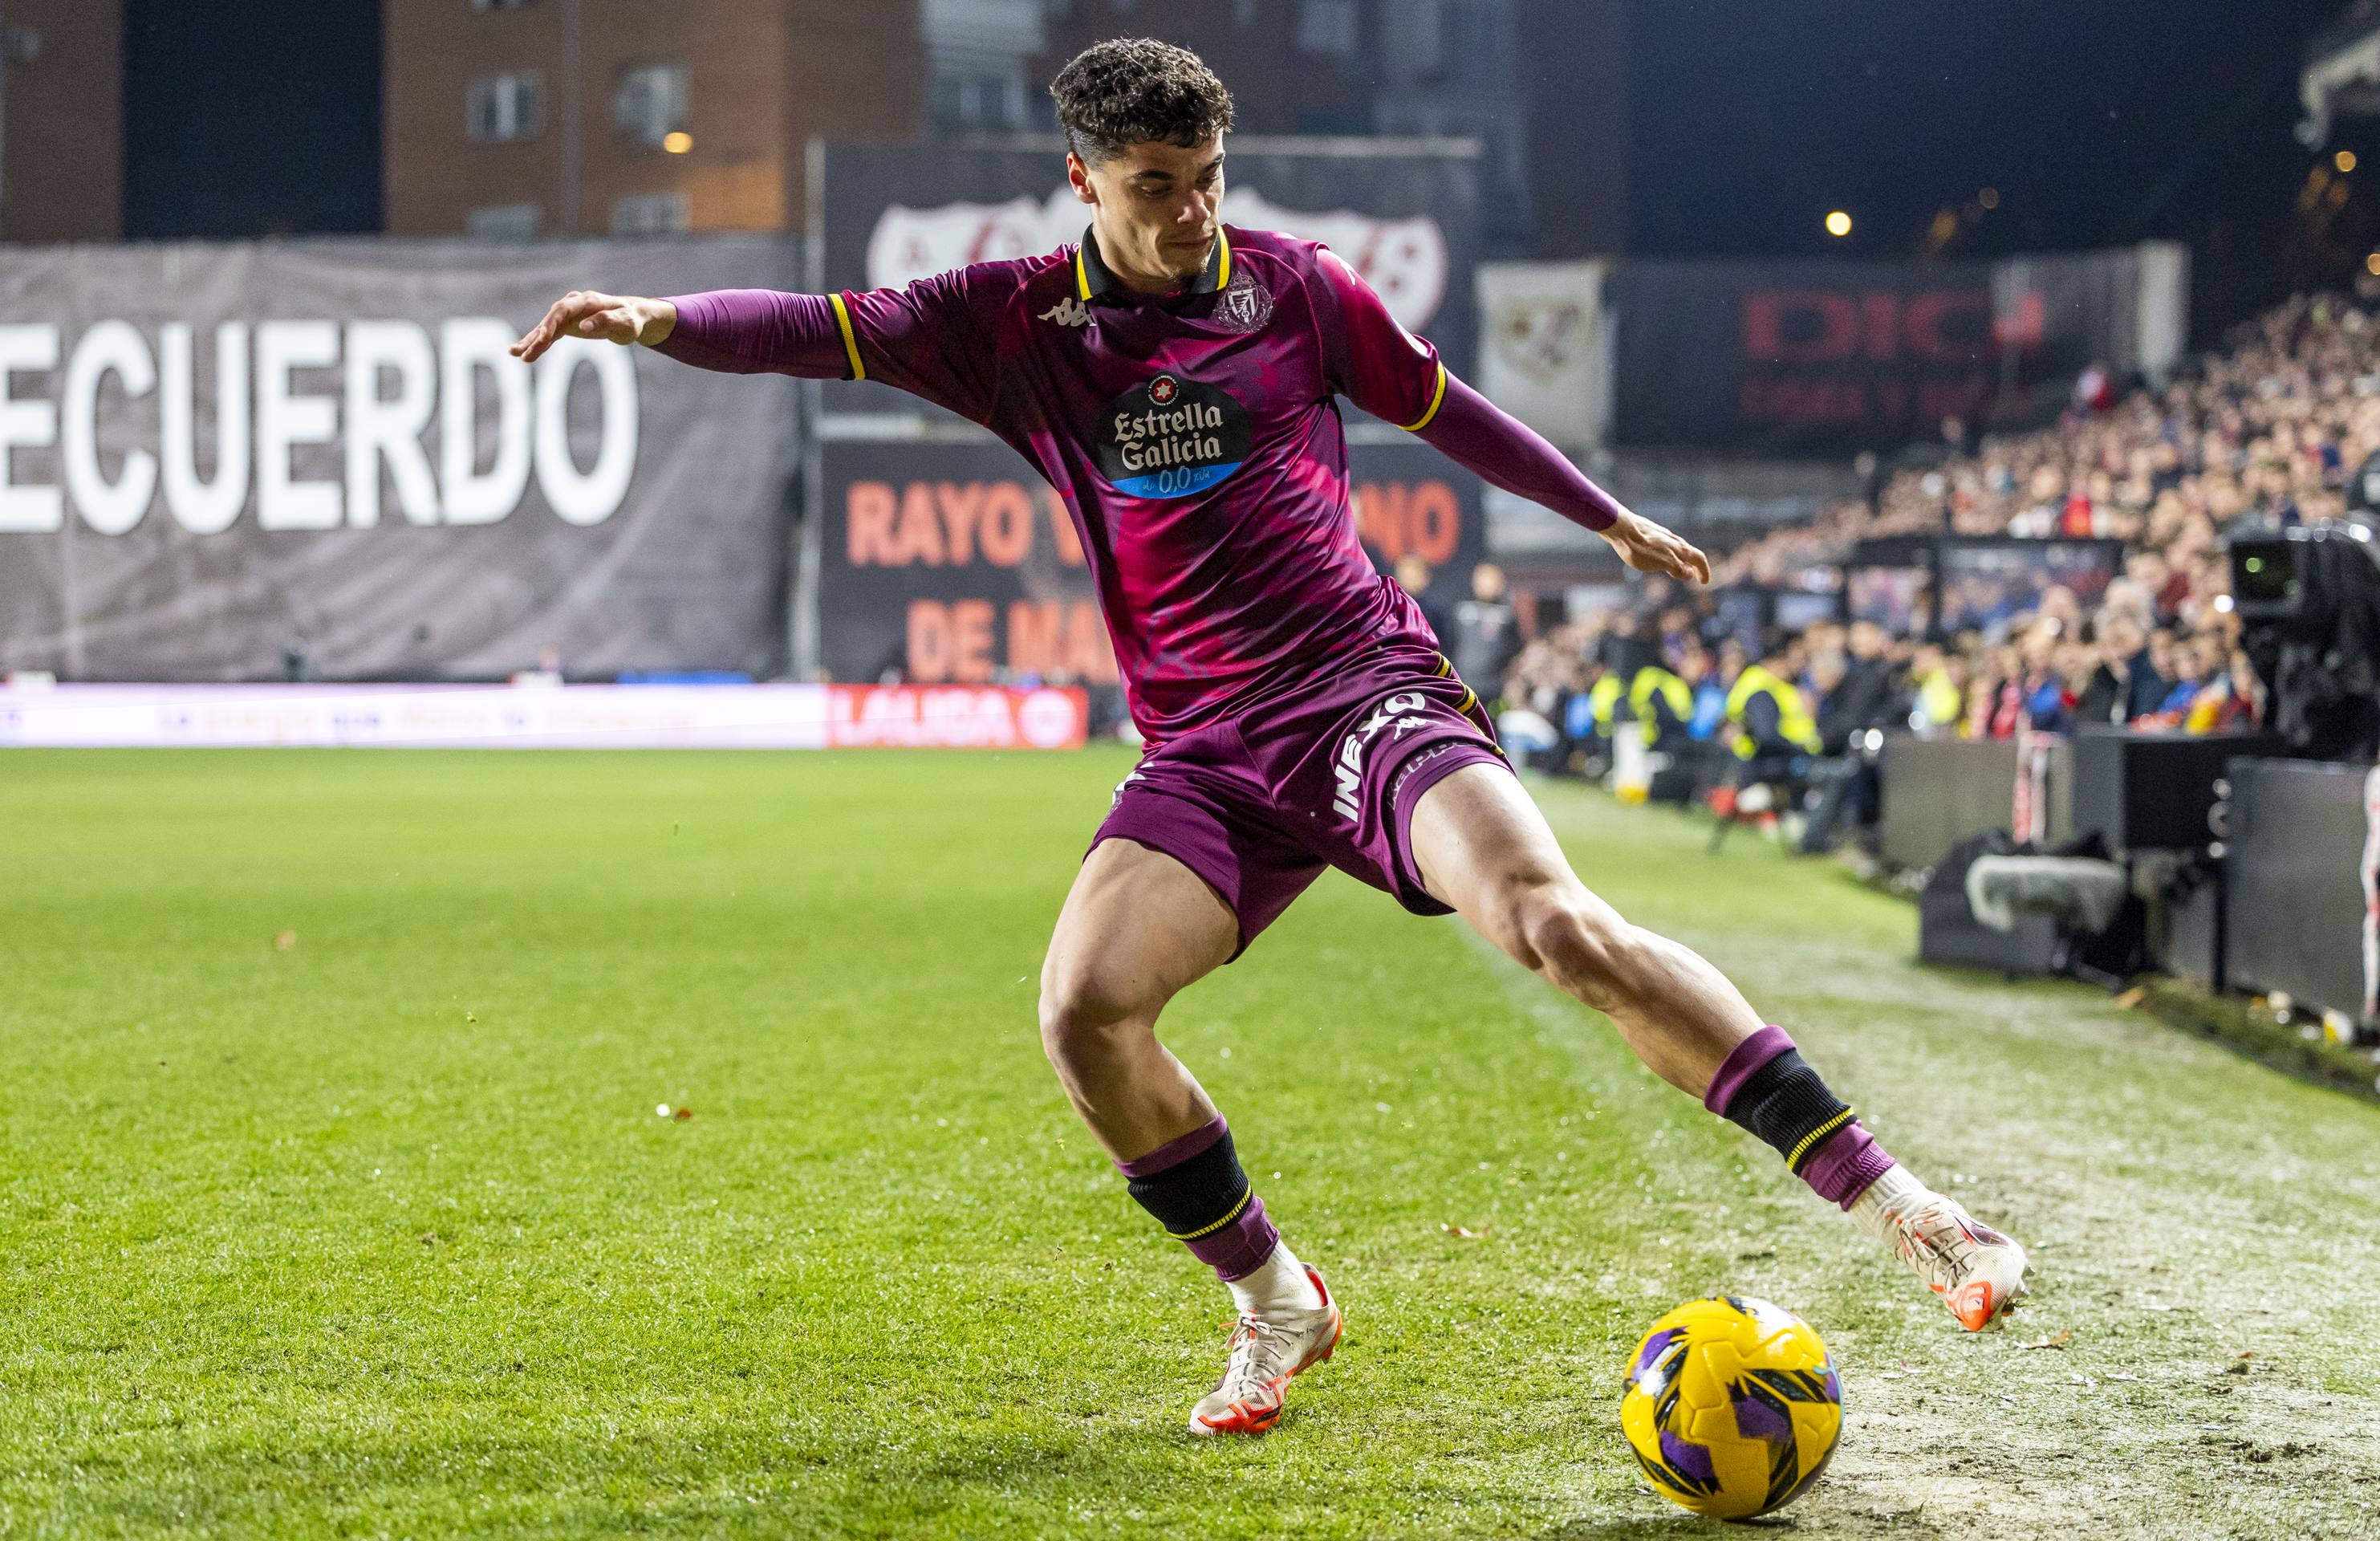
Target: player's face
1157,209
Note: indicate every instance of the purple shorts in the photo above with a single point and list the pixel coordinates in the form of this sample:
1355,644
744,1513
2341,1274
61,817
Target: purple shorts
1324,773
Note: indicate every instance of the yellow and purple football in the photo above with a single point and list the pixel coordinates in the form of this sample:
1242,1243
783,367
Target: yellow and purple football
1732,1406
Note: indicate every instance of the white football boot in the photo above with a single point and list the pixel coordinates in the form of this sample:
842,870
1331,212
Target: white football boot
1977,1271
1265,1352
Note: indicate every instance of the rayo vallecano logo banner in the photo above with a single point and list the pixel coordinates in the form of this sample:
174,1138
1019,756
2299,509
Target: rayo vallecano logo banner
1403,214
216,459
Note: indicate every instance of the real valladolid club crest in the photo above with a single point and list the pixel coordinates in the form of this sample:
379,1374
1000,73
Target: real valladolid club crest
1243,306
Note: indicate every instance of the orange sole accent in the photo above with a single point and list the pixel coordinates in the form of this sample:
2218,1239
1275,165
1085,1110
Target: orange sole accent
1244,1422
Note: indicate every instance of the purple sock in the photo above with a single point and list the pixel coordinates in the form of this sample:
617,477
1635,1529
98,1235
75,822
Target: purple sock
1195,1188
1796,1113
1843,1165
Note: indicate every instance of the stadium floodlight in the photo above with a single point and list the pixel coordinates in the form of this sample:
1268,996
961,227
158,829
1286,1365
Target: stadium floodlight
1839,223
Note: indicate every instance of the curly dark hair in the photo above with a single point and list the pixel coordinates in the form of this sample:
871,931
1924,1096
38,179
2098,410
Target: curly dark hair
1138,91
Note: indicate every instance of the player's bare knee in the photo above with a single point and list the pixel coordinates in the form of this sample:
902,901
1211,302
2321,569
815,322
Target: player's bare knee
1083,1013
1581,945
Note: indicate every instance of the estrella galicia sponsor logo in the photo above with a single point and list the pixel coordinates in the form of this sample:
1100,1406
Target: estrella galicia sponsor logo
1171,437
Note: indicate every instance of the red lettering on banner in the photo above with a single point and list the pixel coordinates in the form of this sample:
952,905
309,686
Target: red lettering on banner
1764,327
970,657
1007,529
959,506
918,535
1954,398
1052,637
1926,313
1424,517
1881,312
956,717
1061,525
2024,330
867,510
929,648
1434,521
1804,400
1033,637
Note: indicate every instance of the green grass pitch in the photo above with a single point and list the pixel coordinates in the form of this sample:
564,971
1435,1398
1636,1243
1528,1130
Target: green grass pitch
379,1234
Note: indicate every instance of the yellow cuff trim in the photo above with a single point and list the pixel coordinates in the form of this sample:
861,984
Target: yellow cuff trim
850,342
1437,399
1210,1229
1815,1135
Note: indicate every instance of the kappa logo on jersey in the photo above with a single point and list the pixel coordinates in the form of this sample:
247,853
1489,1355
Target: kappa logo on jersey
1397,714
1068,312
1171,437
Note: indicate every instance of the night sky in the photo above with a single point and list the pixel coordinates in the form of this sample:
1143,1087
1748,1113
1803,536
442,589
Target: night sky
2097,123
251,118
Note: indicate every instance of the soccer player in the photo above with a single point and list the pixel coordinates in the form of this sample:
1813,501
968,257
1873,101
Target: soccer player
1175,380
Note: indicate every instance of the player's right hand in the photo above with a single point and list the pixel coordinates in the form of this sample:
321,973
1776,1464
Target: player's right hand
621,319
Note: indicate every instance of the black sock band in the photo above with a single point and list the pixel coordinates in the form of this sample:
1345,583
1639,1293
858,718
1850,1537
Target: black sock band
1786,1105
1198,1196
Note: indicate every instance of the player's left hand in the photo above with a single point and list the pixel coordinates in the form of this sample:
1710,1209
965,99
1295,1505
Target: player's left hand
1651,548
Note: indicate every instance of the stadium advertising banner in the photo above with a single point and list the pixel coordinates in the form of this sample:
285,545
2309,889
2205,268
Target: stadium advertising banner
1828,357
223,462
943,562
539,717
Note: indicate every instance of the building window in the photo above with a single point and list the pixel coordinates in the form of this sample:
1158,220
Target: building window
650,214
652,102
503,222
1326,26
501,4
978,102
506,107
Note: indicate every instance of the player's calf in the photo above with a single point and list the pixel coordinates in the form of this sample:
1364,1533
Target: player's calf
1196,1189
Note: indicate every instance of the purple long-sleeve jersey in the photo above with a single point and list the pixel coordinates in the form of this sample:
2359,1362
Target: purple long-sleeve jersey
1195,438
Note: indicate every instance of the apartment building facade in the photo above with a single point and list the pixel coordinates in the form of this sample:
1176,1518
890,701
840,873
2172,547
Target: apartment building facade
62,120
510,119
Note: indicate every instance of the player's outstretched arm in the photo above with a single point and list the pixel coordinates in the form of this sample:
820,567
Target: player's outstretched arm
1474,433
928,339
733,331
1396,376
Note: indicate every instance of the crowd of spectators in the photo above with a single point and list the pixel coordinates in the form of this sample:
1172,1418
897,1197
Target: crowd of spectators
2281,425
